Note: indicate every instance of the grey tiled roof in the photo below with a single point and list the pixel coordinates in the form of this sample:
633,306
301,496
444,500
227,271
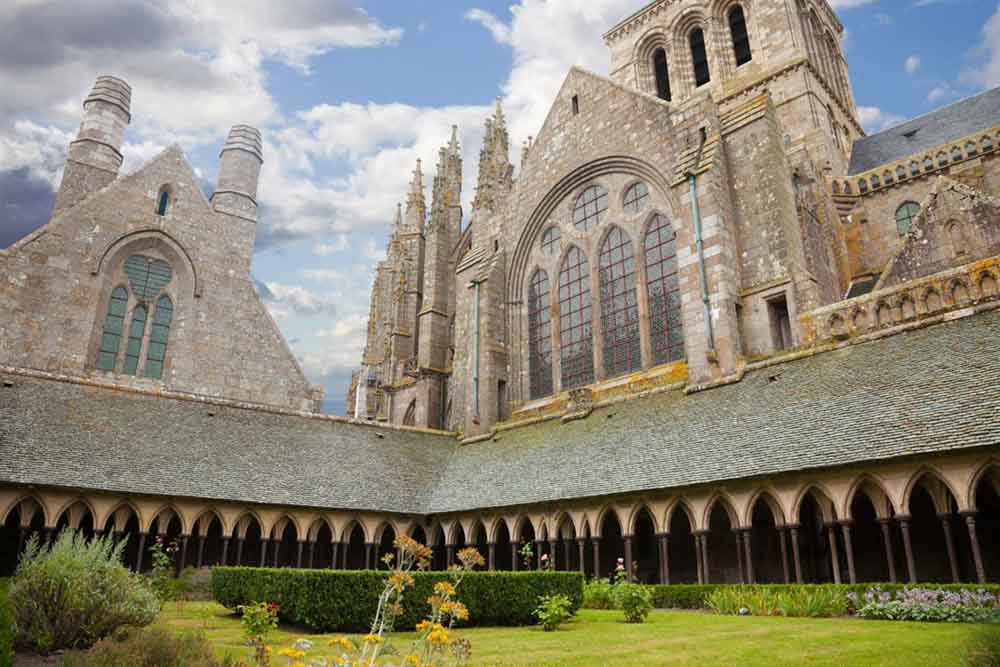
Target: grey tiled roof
938,127
64,434
926,391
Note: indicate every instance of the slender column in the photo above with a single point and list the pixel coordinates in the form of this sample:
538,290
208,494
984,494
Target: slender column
845,526
449,552
887,541
581,546
346,548
749,554
225,551
904,526
596,544
369,551
538,554
552,555
663,576
184,550
784,554
334,554
239,551
704,556
697,558
628,557
201,551
142,548
298,555
264,541
977,555
950,545
739,555
492,555
566,554
277,550
794,528
834,555
312,554
515,556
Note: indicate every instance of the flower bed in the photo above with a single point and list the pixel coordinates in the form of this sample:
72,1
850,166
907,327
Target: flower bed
336,600
928,604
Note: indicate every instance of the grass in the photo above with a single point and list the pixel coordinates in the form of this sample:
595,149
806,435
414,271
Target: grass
669,637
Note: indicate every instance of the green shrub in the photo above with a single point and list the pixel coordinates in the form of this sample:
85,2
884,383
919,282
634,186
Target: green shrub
553,611
6,627
337,600
792,601
635,600
74,592
153,647
681,596
597,594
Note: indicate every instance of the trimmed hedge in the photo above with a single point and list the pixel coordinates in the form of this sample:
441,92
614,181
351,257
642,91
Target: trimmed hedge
345,601
693,596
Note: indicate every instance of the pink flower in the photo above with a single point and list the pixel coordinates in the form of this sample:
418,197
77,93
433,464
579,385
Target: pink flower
621,560
545,556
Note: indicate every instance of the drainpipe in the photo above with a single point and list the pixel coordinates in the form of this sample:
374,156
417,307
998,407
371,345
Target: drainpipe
700,244
475,354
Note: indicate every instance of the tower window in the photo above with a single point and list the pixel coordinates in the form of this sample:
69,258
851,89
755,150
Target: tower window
699,57
163,201
741,40
662,74
576,104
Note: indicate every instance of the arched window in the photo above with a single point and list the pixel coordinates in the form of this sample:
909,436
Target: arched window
662,74
575,326
136,332
550,240
163,201
663,288
114,326
741,40
905,215
619,308
590,208
699,57
539,335
158,336
636,198
410,418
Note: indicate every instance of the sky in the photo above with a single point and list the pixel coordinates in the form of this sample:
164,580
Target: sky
349,93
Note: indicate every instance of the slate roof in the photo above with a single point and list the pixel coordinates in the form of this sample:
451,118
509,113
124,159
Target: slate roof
71,435
938,127
929,390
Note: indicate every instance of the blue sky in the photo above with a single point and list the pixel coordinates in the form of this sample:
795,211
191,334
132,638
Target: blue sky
349,94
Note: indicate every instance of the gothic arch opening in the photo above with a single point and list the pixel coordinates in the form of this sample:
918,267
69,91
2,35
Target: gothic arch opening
645,550
681,550
769,562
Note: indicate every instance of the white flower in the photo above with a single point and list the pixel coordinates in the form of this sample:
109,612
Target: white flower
303,645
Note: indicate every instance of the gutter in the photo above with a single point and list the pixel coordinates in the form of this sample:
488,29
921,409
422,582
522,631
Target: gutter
692,180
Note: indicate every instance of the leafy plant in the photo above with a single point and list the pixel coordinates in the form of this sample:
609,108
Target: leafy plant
552,611
598,594
635,601
74,592
792,601
161,555
930,605
259,619
157,647
6,628
527,555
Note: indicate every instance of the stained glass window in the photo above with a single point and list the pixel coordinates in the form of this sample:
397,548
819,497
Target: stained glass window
619,308
662,285
575,326
550,240
135,333
905,216
636,198
590,208
114,325
158,335
147,276
539,335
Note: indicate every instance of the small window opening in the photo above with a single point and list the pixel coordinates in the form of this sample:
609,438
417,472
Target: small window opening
741,40
699,57
576,105
496,245
781,323
163,202
662,74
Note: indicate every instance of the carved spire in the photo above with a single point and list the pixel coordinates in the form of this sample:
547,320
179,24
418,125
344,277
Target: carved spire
495,169
416,206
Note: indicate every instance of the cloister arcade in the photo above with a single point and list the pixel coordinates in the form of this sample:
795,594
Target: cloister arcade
936,521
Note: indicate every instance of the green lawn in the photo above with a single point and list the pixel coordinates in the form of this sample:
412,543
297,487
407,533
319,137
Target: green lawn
673,638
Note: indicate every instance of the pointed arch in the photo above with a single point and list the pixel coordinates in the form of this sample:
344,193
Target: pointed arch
282,521
874,490
113,512
769,497
211,513
317,524
636,511
934,475
984,469
683,505
168,507
739,35
349,528
723,500
617,279
523,522
822,497
457,536
77,500
243,521
499,523
603,514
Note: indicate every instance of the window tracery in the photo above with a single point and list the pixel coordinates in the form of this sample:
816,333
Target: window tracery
540,335
636,198
575,325
590,208
905,216
619,307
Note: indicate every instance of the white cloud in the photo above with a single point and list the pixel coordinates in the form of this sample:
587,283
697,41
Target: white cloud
286,300
850,4
986,72
912,64
875,120
340,243
942,92
497,28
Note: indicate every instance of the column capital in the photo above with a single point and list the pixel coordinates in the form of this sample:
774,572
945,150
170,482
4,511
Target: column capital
582,540
663,535
903,518
793,526
846,522
969,514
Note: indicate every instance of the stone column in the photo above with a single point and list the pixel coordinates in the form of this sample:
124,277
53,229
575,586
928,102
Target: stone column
784,554
596,544
239,551
298,555
312,554
630,575
184,549
201,551
739,554
334,554
369,555
346,548
492,547
887,541
747,534
263,550
834,556
225,551
515,556
697,557
449,555
977,555
663,540
904,526
552,555
142,549
794,528
538,554
704,556
949,545
581,544
845,525
277,550
566,554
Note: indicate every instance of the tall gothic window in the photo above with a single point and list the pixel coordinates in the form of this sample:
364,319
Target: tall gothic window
114,326
741,40
575,326
663,289
540,335
163,202
662,74
158,335
133,350
590,208
699,57
619,309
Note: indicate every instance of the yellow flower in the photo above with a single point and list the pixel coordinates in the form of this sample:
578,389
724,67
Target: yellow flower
423,625
343,642
291,653
268,649
372,639
412,660
298,663
439,636
444,588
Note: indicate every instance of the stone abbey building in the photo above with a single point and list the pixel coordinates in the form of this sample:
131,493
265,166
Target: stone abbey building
710,327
